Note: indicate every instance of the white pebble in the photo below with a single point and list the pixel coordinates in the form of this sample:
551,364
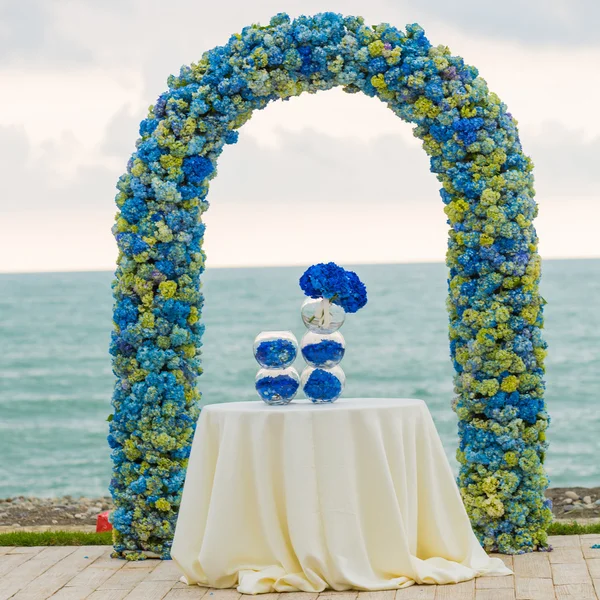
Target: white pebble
571,495
587,499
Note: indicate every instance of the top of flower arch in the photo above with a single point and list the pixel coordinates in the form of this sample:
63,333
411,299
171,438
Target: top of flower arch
327,49
208,101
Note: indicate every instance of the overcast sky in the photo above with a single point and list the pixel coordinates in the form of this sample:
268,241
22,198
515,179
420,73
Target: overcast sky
326,177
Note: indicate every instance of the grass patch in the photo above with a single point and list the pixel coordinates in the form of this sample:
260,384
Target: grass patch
55,538
80,538
573,528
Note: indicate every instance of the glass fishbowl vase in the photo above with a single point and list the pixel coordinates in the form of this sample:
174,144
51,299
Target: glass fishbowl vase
275,349
277,386
321,315
323,385
323,349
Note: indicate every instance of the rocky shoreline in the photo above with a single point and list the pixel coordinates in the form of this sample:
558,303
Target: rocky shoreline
21,512
575,503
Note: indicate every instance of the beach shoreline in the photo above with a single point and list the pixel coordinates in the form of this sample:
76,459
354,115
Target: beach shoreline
23,513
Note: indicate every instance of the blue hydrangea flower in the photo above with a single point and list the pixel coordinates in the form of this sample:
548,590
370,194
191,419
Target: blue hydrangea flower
276,353
322,385
279,387
323,353
328,280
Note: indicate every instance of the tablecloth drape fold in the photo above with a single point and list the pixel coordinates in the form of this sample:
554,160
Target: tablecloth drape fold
354,495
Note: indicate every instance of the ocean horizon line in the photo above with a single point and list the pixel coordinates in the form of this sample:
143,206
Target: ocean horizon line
286,266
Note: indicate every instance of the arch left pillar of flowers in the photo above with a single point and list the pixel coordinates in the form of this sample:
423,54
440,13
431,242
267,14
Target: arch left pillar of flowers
494,303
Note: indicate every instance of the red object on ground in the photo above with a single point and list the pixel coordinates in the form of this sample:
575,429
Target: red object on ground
102,522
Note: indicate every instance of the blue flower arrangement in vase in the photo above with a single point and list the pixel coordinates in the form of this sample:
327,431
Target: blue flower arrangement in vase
275,349
323,349
277,386
332,292
323,385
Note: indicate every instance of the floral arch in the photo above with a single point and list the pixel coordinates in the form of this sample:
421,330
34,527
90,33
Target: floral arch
494,305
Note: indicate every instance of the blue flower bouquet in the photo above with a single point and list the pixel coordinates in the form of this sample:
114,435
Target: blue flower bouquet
332,292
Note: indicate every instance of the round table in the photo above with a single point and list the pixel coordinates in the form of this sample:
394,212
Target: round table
352,495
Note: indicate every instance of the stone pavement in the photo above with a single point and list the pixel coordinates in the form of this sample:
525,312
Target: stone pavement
572,570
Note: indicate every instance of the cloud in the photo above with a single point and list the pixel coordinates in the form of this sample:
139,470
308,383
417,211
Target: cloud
357,200
32,31
301,167
15,149
81,75
566,163
32,179
308,167
121,133
145,34
552,22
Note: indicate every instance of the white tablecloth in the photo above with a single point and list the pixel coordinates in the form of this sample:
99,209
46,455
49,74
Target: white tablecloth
357,494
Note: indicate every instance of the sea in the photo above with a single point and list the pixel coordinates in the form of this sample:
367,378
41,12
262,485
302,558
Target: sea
56,378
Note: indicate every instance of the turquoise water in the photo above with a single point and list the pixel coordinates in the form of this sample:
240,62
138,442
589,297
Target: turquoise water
55,377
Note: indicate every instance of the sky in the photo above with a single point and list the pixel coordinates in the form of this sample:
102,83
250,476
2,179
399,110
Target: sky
330,176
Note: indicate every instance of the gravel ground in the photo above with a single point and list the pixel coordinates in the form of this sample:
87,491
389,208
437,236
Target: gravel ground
575,503
32,512
21,512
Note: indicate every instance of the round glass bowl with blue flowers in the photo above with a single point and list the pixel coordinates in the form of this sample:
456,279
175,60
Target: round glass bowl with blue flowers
321,315
277,386
275,349
323,350
323,386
